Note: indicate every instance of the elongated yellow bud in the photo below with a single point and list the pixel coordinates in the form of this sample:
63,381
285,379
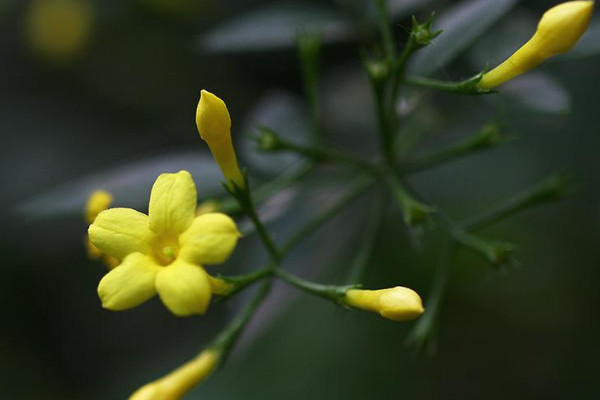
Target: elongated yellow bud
397,303
214,125
557,32
180,381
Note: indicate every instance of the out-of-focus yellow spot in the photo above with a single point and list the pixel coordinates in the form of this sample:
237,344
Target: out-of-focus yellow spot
58,30
182,8
557,32
180,381
207,206
397,303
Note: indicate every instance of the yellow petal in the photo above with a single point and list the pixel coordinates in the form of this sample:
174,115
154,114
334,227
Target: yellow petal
561,26
400,304
209,240
93,252
183,288
129,284
97,202
120,232
397,303
109,261
172,203
212,118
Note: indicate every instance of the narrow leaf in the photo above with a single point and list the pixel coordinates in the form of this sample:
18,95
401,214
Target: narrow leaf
274,27
129,183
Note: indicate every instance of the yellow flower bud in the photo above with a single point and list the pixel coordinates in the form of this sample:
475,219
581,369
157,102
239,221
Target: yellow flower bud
180,381
397,303
557,32
218,285
214,125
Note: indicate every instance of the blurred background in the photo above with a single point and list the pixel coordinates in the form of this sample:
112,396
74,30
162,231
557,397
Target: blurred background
102,95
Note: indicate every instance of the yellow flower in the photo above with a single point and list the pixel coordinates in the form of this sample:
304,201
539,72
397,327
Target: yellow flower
58,29
163,252
214,125
180,381
557,32
397,303
98,202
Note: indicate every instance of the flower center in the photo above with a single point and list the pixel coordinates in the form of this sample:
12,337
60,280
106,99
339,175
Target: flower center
165,250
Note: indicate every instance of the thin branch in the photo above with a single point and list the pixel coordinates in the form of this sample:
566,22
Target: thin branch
369,240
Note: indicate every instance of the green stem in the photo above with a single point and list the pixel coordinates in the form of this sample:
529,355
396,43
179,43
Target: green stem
489,136
309,46
321,154
399,72
227,338
415,212
282,182
240,282
383,122
244,198
495,252
330,292
369,240
551,188
361,183
264,234
379,74
385,29
266,190
468,86
427,324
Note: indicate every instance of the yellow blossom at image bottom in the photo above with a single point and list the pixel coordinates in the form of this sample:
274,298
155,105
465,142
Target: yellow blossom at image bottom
165,251
177,383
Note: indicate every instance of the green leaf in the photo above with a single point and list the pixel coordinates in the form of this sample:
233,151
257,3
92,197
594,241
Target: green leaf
461,25
129,183
365,11
402,8
275,27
